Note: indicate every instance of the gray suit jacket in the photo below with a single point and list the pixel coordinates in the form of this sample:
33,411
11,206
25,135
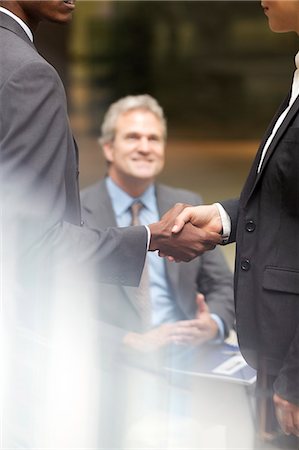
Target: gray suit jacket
41,215
47,259
208,274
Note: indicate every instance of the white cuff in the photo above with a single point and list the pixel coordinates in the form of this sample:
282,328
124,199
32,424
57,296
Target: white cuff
226,223
148,236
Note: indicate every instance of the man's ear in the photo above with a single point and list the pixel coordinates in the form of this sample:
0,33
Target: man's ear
108,151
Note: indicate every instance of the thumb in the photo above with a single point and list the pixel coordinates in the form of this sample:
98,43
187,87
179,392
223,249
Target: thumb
181,220
202,306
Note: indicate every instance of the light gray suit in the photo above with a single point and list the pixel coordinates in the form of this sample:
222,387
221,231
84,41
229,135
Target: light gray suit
208,274
48,258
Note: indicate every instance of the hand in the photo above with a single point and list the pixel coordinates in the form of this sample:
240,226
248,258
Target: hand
287,415
199,330
152,340
206,217
206,324
186,332
185,244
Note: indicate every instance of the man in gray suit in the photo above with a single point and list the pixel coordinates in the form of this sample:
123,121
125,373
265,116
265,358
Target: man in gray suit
41,217
189,303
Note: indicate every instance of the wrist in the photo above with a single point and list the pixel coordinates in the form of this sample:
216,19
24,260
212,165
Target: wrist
132,340
157,235
224,221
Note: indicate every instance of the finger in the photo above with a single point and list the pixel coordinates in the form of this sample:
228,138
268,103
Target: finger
187,340
212,238
169,258
178,339
285,420
202,307
291,423
172,259
163,255
186,324
296,421
181,220
186,332
284,414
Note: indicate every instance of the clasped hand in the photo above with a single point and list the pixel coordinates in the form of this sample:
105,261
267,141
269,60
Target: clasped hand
185,232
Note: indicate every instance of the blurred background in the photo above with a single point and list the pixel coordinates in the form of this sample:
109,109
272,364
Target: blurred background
214,66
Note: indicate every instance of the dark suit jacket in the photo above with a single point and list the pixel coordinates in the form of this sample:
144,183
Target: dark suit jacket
265,225
39,173
208,274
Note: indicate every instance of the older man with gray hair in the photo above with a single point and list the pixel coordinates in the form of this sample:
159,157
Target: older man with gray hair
184,303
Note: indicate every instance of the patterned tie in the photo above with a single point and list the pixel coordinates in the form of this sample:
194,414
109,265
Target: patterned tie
143,302
135,210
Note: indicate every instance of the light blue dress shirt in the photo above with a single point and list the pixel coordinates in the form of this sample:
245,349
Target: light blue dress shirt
164,309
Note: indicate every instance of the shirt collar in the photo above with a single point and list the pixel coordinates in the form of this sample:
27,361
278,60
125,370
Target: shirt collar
297,60
148,198
122,201
20,22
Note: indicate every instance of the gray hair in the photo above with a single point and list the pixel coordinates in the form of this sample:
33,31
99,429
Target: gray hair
125,104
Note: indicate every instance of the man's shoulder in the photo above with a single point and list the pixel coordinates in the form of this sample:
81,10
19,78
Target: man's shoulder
13,37
92,189
19,55
178,195
16,48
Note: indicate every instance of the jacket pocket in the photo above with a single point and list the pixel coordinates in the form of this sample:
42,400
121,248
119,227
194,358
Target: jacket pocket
281,279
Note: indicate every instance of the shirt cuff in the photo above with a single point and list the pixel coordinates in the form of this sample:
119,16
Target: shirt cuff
148,236
220,336
226,223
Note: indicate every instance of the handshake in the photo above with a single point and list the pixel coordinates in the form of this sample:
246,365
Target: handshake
185,232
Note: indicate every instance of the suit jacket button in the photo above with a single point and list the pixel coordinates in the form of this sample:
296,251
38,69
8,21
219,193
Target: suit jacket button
250,226
245,264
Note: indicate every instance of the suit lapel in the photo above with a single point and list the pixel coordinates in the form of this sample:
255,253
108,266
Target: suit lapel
12,25
165,202
254,177
99,204
280,132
